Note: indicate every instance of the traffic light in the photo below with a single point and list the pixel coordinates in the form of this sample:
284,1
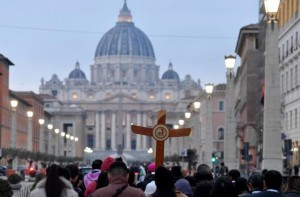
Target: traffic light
214,157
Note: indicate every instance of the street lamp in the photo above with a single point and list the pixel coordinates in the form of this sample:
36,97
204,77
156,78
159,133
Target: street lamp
181,122
209,133
13,134
230,146
272,153
29,134
41,144
50,126
56,131
197,105
187,115
176,126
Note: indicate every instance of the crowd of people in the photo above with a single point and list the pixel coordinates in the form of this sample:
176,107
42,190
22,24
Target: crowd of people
113,178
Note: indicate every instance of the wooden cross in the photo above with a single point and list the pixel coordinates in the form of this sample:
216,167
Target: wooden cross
160,132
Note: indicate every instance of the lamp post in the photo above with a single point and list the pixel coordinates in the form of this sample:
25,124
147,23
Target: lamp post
42,140
197,129
13,133
208,134
230,147
50,139
29,132
272,153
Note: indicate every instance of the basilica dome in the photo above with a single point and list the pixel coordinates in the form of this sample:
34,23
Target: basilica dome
77,73
125,39
170,74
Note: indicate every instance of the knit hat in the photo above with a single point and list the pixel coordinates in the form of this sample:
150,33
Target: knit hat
106,163
151,167
184,187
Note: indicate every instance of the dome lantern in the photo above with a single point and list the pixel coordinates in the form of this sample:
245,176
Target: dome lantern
125,14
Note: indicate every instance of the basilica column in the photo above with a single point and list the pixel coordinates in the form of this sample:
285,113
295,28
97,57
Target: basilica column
97,129
128,130
138,137
113,131
144,138
103,142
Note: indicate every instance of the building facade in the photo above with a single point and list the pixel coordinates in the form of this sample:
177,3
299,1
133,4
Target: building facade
125,88
247,96
289,46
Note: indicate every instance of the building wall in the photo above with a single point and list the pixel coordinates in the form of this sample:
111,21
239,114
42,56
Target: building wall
37,106
289,45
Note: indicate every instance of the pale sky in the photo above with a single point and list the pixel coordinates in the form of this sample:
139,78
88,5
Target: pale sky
46,37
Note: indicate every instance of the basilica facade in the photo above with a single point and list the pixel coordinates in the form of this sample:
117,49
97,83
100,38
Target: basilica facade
124,88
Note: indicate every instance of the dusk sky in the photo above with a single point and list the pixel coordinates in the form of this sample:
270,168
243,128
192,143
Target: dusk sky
46,37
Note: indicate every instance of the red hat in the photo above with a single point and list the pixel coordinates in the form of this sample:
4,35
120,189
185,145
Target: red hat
151,167
106,163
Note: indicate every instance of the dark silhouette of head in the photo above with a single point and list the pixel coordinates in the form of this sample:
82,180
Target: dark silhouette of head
223,187
273,180
241,185
97,164
294,184
203,188
164,183
102,180
54,186
256,181
234,174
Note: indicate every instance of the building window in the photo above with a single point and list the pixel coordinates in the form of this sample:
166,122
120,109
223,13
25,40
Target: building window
74,96
296,76
221,105
167,96
54,92
90,141
220,134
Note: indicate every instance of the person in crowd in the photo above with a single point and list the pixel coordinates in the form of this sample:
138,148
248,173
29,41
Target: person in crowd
203,188
93,175
180,183
264,171
256,182
94,185
142,173
164,184
272,184
74,174
118,183
223,187
53,185
149,178
293,188
241,186
223,171
184,187
296,170
203,173
132,178
106,163
176,173
233,175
